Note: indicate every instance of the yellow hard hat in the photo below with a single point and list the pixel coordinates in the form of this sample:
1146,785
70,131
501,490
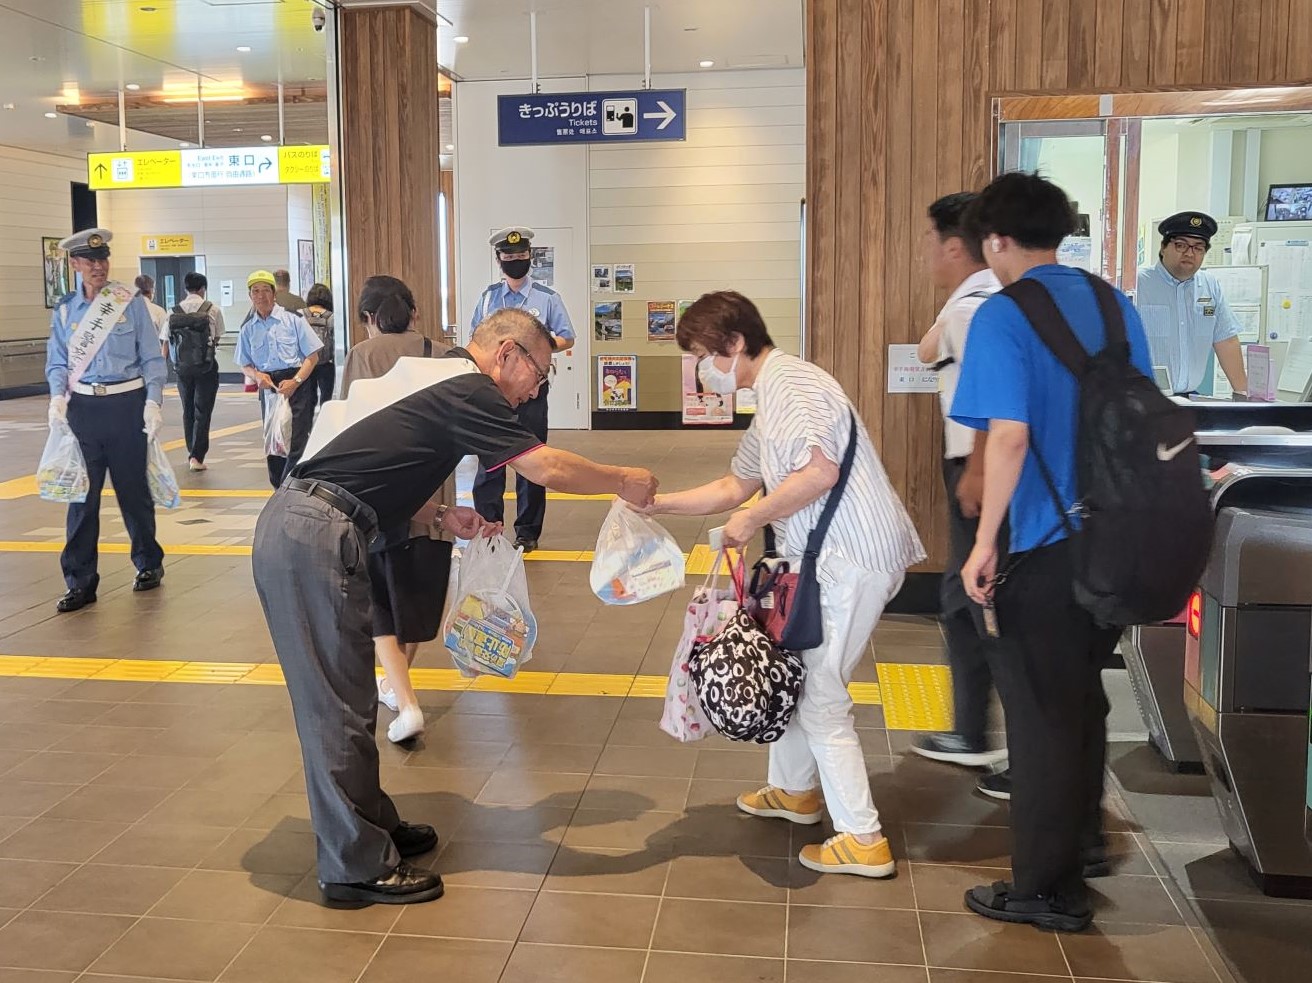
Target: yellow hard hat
261,276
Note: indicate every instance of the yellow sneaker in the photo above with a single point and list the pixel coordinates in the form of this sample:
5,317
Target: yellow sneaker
843,854
774,803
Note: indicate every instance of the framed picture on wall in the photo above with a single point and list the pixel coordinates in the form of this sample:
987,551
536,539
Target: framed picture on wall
305,264
58,275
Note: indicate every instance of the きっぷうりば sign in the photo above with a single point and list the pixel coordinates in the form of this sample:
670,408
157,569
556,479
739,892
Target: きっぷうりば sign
592,117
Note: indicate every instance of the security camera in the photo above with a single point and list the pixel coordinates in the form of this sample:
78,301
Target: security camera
318,18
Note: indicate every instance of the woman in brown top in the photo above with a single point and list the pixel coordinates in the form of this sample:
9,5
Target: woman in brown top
409,566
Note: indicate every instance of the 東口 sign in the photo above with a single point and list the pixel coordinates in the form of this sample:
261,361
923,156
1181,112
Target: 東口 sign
206,168
171,245
592,117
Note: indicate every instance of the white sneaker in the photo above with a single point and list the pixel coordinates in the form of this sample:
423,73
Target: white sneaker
196,465
387,697
408,723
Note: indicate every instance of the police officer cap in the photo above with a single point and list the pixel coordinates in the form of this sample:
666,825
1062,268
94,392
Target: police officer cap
1196,224
514,239
89,244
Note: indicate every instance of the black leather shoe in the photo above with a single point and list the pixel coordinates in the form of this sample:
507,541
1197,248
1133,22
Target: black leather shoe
75,599
527,545
413,839
404,885
148,579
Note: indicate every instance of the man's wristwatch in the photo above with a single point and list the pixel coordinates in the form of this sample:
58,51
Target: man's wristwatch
298,380
439,515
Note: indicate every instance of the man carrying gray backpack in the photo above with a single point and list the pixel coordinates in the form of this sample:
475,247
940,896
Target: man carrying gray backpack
189,338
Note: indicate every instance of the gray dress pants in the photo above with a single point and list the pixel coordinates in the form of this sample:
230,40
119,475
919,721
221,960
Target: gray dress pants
313,582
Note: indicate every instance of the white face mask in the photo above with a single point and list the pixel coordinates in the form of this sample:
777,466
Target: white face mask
716,380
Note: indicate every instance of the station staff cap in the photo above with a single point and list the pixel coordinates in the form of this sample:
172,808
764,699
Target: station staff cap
1197,224
89,244
514,239
261,276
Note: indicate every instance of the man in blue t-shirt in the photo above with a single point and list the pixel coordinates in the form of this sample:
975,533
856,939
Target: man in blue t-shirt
1048,658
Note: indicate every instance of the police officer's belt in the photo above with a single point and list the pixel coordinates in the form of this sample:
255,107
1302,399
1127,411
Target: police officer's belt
108,389
361,515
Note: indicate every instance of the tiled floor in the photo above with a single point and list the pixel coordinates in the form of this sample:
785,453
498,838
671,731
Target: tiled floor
158,830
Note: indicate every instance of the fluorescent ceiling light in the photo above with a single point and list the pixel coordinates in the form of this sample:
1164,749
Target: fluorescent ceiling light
244,48
184,145
132,87
706,63
450,147
52,116
460,39
266,138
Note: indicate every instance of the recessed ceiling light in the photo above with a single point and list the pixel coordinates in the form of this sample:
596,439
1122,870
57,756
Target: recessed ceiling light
236,129
184,145
460,39
450,147
132,87
52,116
10,105
244,48
266,138
707,63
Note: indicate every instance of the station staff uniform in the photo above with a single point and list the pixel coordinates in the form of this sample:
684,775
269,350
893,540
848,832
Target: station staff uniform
1184,319
375,458
544,304
279,344
120,389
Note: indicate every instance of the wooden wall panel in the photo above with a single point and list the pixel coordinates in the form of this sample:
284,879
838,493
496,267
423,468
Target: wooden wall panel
390,149
921,75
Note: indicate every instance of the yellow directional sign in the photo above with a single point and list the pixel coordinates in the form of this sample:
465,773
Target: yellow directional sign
166,245
205,168
141,169
303,165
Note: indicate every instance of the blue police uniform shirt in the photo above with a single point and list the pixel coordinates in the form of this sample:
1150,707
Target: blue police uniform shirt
1183,320
130,352
1009,374
536,298
282,340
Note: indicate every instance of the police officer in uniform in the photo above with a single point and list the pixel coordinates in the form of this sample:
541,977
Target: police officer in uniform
108,391
518,290
1183,311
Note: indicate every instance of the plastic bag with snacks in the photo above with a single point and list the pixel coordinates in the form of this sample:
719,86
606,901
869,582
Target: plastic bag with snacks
62,474
159,475
277,424
491,629
635,560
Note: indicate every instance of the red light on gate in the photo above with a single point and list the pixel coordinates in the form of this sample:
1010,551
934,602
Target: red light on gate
1194,620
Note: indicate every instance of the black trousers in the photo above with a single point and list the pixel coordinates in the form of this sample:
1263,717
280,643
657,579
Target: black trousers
530,499
197,394
972,680
109,430
1047,666
322,379
302,421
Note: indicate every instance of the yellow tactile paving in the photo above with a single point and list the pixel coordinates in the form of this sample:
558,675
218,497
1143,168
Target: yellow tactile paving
915,697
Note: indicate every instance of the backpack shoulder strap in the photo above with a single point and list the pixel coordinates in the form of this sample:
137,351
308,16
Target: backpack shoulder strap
204,308
428,347
177,309
1048,323
1113,318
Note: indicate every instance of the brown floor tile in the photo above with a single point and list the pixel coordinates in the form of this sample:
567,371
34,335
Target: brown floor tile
641,733
568,758
1127,898
970,846
596,871
468,863
811,971
108,740
105,890
854,935
721,928
60,839
441,959
746,765
40,976
811,888
61,767
458,754
225,896
263,852
197,807
720,792
416,779
617,792
185,742
680,967
23,881
27,800
287,813
299,955
967,941
565,964
724,830
178,950
591,920
571,729
490,914
532,788
507,824
942,887
305,908
952,802
163,845
978,976
1138,952
106,803
37,737
58,940
630,829
1128,857
728,879
667,762
66,712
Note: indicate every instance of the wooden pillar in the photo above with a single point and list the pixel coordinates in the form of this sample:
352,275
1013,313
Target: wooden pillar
389,152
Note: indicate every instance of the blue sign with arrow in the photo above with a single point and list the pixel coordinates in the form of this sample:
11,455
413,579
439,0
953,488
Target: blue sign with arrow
592,117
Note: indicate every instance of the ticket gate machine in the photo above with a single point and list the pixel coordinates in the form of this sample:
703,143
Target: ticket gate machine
1246,678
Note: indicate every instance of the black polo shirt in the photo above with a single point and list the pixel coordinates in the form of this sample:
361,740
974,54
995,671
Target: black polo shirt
397,438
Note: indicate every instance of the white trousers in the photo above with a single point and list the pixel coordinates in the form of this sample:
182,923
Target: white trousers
821,745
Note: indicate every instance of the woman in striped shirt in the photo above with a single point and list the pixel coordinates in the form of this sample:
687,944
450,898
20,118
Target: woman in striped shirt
792,451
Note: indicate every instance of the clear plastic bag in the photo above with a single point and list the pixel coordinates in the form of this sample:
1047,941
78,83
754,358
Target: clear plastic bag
635,559
62,474
277,425
490,628
159,475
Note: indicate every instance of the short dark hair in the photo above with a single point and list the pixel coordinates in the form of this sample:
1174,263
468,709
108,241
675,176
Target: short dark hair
1025,207
377,289
144,284
394,315
714,318
195,282
948,215
283,279
319,296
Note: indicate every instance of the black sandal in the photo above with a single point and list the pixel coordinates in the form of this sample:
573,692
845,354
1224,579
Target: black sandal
995,902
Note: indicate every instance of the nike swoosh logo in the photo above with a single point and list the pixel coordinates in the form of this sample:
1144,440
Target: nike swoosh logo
1165,453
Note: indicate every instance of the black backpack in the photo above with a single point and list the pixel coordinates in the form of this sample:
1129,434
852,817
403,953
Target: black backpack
192,341
1146,523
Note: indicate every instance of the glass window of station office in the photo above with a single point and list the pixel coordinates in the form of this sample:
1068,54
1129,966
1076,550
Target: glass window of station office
1244,157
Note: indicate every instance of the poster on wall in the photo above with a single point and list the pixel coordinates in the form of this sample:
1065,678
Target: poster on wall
601,280
543,268
681,309
624,281
660,320
703,409
305,265
608,321
617,382
746,401
57,273
320,223
1076,251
